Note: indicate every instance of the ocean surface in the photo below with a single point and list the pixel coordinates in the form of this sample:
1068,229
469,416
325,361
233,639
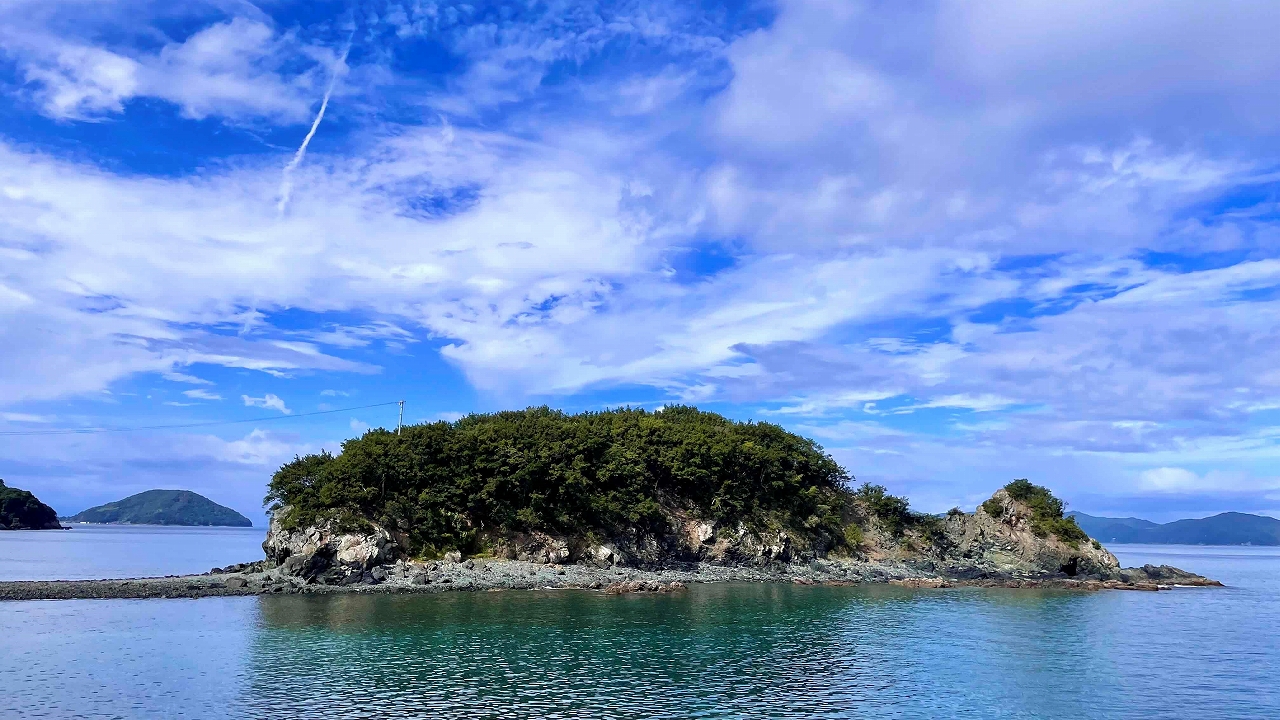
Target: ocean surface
715,651
95,552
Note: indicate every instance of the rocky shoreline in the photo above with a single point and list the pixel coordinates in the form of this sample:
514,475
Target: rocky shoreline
495,574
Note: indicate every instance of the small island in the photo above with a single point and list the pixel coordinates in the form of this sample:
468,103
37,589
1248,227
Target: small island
20,510
163,507
625,501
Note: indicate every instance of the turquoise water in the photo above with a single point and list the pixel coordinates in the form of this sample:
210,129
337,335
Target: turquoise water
752,651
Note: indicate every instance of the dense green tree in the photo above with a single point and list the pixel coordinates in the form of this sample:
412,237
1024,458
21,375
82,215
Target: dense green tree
444,485
20,510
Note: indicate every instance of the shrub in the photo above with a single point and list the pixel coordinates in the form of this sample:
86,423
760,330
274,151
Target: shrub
993,507
895,515
853,536
1046,512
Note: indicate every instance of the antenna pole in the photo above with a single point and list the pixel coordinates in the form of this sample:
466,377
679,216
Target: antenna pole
400,421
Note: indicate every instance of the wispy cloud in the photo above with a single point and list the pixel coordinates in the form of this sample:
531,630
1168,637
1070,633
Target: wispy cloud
269,401
991,211
184,378
15,417
201,395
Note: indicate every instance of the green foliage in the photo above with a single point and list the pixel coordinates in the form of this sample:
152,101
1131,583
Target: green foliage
895,515
20,510
445,485
955,512
1046,512
853,536
993,507
164,507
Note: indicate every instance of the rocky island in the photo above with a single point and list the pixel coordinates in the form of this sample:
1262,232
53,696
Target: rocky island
623,501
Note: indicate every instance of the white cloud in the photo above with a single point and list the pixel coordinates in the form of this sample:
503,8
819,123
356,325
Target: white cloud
84,81
184,378
201,395
359,427
236,69
270,402
873,174
15,417
980,402
1168,479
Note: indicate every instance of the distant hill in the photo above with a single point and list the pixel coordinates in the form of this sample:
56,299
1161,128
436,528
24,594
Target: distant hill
1230,528
164,507
20,510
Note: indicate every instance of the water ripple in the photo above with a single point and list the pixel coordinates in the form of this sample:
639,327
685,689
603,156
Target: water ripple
723,651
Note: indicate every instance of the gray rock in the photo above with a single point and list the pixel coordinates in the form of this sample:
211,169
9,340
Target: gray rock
235,583
309,551
379,574
453,556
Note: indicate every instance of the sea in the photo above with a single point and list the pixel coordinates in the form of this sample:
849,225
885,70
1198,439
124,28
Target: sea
714,651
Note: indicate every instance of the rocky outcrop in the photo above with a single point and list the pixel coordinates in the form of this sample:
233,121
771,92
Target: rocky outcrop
979,544
692,540
325,553
999,544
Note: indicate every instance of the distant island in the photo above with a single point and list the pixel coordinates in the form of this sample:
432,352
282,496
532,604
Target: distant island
163,507
1229,528
20,510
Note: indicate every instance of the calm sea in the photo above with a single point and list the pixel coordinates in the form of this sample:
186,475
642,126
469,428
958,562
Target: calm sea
733,651
94,552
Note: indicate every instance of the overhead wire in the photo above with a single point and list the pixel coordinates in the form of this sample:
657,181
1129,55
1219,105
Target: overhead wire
181,426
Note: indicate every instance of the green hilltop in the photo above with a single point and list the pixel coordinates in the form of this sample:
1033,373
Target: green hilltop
164,507
20,510
617,475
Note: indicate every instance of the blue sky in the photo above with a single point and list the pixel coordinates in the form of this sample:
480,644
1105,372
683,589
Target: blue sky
956,243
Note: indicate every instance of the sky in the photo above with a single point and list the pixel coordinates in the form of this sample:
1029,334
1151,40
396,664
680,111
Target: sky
955,243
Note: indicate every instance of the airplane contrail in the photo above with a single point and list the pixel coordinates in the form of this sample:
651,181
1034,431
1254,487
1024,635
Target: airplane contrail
286,180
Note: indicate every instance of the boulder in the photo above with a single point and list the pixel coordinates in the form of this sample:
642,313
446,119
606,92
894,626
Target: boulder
534,547
325,553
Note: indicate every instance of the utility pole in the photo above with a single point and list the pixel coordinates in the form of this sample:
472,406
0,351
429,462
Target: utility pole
400,421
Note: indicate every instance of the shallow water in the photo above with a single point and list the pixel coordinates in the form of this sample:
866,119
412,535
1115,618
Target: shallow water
95,552
772,651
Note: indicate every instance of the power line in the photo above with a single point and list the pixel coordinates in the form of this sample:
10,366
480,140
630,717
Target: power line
89,431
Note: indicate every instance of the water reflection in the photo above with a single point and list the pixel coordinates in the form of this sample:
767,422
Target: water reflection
715,651
750,651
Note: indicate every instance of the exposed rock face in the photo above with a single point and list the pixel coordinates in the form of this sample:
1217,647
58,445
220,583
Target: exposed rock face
972,547
979,544
325,554
692,540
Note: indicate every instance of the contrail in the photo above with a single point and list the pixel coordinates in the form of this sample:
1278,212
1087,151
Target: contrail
286,180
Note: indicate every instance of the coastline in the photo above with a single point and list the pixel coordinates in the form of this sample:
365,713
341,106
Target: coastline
496,575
